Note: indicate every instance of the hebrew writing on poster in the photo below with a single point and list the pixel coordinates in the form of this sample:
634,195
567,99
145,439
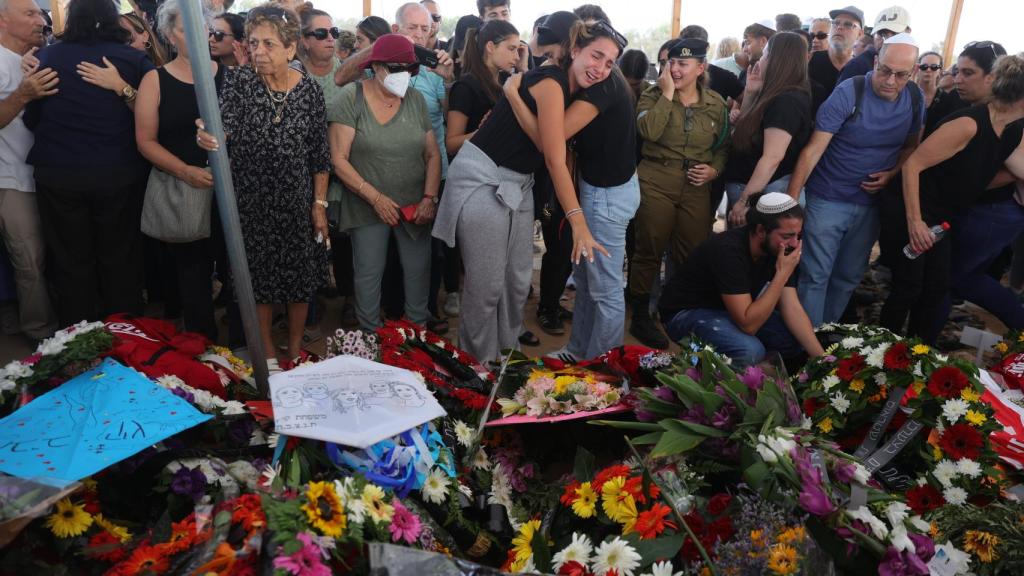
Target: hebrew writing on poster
350,401
92,421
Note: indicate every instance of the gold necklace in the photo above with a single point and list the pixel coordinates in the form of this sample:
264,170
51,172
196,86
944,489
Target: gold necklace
277,102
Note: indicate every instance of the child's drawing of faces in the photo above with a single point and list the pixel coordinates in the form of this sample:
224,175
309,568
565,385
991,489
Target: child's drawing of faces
348,398
380,389
407,394
289,397
316,391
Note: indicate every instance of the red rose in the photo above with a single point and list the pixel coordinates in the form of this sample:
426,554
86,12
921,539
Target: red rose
848,368
721,529
695,522
718,504
947,382
961,441
811,406
922,499
897,357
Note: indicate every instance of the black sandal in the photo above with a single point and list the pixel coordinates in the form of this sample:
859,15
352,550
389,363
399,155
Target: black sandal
528,338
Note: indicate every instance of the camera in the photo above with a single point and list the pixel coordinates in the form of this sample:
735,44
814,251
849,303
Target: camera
426,57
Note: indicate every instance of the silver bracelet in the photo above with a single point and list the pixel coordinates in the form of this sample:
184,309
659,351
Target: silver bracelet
570,213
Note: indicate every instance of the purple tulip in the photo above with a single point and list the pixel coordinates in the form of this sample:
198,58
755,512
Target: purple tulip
189,482
664,393
924,546
694,414
753,377
693,373
724,416
895,563
646,416
845,472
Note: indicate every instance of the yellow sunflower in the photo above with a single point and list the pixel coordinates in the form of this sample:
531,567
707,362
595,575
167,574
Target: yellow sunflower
119,532
522,544
794,535
982,544
376,507
586,501
69,520
324,509
783,559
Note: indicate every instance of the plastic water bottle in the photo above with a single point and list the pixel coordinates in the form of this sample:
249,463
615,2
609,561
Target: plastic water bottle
938,231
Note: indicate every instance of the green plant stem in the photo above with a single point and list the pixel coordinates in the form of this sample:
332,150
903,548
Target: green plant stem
679,517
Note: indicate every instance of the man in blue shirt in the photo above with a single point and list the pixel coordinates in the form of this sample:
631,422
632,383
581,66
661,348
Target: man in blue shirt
854,152
889,22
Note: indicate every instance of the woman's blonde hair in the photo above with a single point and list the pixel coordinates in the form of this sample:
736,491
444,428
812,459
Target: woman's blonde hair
1008,81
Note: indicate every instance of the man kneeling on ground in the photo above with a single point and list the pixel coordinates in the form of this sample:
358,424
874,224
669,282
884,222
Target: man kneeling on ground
737,291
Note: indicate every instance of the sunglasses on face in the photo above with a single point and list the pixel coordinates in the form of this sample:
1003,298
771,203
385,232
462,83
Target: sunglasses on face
819,35
321,33
396,68
435,17
932,67
218,36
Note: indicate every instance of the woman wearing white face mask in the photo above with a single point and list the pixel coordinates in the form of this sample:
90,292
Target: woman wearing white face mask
384,151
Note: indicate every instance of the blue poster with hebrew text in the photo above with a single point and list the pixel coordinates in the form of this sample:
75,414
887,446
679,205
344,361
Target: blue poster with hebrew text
92,421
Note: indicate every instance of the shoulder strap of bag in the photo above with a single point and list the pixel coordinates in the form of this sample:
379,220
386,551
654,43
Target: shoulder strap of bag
724,131
858,98
915,100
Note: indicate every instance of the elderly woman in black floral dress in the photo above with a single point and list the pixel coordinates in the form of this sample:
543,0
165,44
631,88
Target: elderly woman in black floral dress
276,130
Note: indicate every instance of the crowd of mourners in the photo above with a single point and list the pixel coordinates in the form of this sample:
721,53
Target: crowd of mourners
378,164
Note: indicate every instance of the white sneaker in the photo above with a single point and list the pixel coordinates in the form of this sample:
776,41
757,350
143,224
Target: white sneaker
564,355
273,366
451,304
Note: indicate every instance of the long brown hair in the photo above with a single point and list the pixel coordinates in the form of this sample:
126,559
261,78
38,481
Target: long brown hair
473,55
581,35
155,49
786,71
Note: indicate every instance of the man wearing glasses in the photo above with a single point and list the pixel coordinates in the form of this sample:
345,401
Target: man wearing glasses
823,67
888,23
843,177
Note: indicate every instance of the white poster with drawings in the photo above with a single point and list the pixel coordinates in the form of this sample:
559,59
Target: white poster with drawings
351,401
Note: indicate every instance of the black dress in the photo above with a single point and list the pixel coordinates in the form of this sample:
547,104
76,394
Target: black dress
273,167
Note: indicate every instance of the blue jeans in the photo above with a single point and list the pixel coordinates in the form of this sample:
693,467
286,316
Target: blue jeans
978,238
733,191
599,315
715,327
837,242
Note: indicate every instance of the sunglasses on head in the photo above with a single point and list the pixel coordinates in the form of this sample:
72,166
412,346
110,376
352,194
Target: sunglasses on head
268,12
217,35
819,35
932,67
435,17
982,45
321,33
607,29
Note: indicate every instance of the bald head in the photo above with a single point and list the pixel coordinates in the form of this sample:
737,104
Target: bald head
894,66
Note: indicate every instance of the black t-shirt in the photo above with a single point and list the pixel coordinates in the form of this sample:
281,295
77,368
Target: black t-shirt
724,82
944,104
721,265
789,111
501,137
600,163
954,185
823,77
468,96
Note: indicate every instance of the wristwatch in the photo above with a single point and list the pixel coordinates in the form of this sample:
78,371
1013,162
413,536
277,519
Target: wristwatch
129,93
321,202
433,199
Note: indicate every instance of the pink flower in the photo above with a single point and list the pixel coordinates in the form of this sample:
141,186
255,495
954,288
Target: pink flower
32,360
404,524
305,562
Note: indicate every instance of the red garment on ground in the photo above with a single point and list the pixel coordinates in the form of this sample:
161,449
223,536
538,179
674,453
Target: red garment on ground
156,348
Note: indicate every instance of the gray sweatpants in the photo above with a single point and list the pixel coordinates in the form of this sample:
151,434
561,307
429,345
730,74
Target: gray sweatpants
369,255
497,252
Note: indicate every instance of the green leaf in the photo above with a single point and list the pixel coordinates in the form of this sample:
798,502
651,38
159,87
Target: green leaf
755,474
691,427
663,548
674,442
541,552
294,469
649,438
222,519
768,405
583,467
688,391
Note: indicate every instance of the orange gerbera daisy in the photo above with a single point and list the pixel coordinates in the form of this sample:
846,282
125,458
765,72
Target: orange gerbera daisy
143,559
651,523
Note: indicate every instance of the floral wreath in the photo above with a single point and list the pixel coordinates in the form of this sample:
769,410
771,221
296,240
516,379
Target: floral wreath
869,374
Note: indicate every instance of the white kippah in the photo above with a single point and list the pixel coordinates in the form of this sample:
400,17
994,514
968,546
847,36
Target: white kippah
902,38
767,23
775,203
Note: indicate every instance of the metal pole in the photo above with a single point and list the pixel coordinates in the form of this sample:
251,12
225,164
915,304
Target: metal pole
197,37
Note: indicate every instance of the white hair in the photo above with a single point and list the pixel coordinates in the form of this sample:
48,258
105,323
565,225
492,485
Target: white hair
167,16
400,13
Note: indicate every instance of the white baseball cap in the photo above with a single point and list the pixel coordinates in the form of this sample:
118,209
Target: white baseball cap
894,18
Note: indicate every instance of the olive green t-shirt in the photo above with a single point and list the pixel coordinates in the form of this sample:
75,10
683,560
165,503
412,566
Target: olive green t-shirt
389,156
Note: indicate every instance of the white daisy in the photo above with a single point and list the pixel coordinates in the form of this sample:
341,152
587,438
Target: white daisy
617,555
435,486
877,355
945,471
956,496
829,382
840,403
463,433
968,468
852,342
480,461
662,569
860,473
578,551
954,409
501,488
880,378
